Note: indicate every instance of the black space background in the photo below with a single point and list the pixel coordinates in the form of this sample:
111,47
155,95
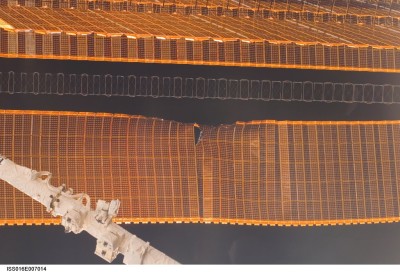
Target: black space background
200,243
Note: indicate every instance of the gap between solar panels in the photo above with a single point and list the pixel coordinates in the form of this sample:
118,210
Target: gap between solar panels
199,88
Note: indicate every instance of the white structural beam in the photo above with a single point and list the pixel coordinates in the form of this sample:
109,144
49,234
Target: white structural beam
77,216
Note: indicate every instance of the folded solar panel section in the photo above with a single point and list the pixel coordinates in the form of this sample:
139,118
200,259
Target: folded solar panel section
307,42
261,172
378,8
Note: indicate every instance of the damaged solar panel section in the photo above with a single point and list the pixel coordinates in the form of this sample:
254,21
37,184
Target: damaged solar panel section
291,173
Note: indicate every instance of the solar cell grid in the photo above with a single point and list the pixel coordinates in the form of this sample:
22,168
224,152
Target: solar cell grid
261,172
89,153
319,173
247,41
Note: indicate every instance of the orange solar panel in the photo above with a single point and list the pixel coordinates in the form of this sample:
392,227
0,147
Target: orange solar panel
147,163
261,172
300,173
339,7
307,42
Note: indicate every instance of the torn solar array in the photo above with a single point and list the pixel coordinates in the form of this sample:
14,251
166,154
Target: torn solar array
261,172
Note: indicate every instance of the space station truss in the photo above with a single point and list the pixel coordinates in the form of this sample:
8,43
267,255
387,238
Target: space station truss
290,173
327,35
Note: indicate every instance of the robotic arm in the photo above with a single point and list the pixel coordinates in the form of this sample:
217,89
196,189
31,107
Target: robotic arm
76,215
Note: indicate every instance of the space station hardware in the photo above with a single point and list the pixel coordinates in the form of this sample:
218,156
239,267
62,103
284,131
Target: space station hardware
77,216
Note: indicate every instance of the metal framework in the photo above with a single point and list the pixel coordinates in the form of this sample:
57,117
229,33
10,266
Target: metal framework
77,216
261,172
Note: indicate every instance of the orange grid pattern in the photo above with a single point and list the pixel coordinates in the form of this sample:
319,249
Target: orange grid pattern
261,172
195,39
146,163
300,173
178,26
335,7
